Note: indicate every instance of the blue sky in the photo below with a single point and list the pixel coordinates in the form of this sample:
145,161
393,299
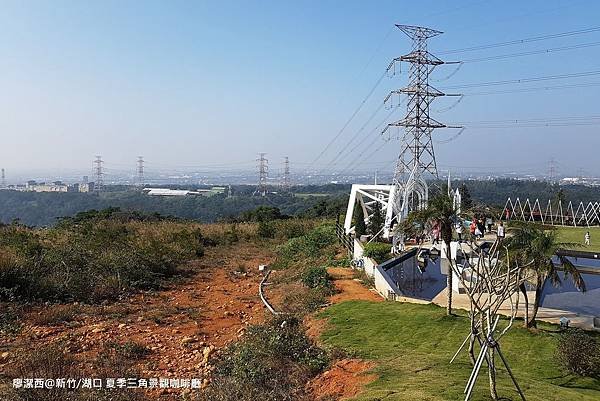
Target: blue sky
204,83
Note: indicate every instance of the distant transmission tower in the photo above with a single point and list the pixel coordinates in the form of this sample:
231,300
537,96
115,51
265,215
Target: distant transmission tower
285,183
263,171
552,170
140,171
3,180
416,158
99,184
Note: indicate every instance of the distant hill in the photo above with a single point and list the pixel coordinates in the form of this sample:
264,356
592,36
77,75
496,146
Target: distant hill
43,209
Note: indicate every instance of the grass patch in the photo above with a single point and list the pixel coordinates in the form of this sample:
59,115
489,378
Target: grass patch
412,345
576,235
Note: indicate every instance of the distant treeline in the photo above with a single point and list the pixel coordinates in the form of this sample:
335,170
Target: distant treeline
495,193
43,208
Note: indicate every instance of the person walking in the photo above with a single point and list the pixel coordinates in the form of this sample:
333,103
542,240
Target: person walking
587,238
472,228
481,227
489,223
500,232
435,233
459,229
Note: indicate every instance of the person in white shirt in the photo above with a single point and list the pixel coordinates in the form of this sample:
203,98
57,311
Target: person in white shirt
459,230
587,238
500,231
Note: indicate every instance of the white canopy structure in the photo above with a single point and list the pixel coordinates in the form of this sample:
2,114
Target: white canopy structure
555,213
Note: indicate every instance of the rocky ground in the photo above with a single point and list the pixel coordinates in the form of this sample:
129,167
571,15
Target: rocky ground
177,329
173,333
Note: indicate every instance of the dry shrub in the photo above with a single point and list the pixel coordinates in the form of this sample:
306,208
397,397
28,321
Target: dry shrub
57,314
94,256
51,362
579,353
272,362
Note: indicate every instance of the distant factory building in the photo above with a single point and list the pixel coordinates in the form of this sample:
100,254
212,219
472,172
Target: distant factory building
183,192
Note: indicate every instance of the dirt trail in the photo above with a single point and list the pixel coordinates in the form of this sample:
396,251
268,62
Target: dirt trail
347,377
350,288
194,317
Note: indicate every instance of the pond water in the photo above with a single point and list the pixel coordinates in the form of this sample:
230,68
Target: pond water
567,297
427,280
419,280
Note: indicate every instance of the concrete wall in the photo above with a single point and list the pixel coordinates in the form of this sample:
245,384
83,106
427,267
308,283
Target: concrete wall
384,286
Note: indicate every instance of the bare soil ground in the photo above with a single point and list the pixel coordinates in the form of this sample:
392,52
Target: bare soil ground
350,288
180,326
184,324
348,376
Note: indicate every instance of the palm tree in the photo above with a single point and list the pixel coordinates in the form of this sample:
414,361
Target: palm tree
440,210
535,247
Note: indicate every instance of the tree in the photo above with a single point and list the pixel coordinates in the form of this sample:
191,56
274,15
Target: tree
376,220
359,221
536,247
560,196
465,195
440,210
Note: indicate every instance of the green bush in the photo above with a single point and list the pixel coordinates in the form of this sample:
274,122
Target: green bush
378,251
316,277
91,258
318,239
579,353
315,245
271,362
263,214
266,229
292,228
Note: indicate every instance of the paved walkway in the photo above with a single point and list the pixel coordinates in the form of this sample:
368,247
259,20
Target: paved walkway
461,301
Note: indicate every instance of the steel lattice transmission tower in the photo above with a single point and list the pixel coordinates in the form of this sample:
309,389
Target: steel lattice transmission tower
285,183
99,184
552,170
417,157
263,171
140,171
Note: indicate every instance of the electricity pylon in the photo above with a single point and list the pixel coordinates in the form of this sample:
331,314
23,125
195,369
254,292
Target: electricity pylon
263,170
99,184
140,171
285,183
417,156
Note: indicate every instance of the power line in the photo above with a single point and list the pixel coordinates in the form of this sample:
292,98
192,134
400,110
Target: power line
521,41
365,137
528,120
533,52
524,80
362,103
342,150
535,89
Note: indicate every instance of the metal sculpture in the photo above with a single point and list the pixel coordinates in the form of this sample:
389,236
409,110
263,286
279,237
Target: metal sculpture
490,281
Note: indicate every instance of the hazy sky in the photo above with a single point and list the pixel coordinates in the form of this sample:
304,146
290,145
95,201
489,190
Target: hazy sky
195,83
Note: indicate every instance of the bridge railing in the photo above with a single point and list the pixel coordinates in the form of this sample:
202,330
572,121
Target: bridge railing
347,240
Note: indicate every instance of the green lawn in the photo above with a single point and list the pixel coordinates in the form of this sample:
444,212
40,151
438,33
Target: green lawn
576,235
412,345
